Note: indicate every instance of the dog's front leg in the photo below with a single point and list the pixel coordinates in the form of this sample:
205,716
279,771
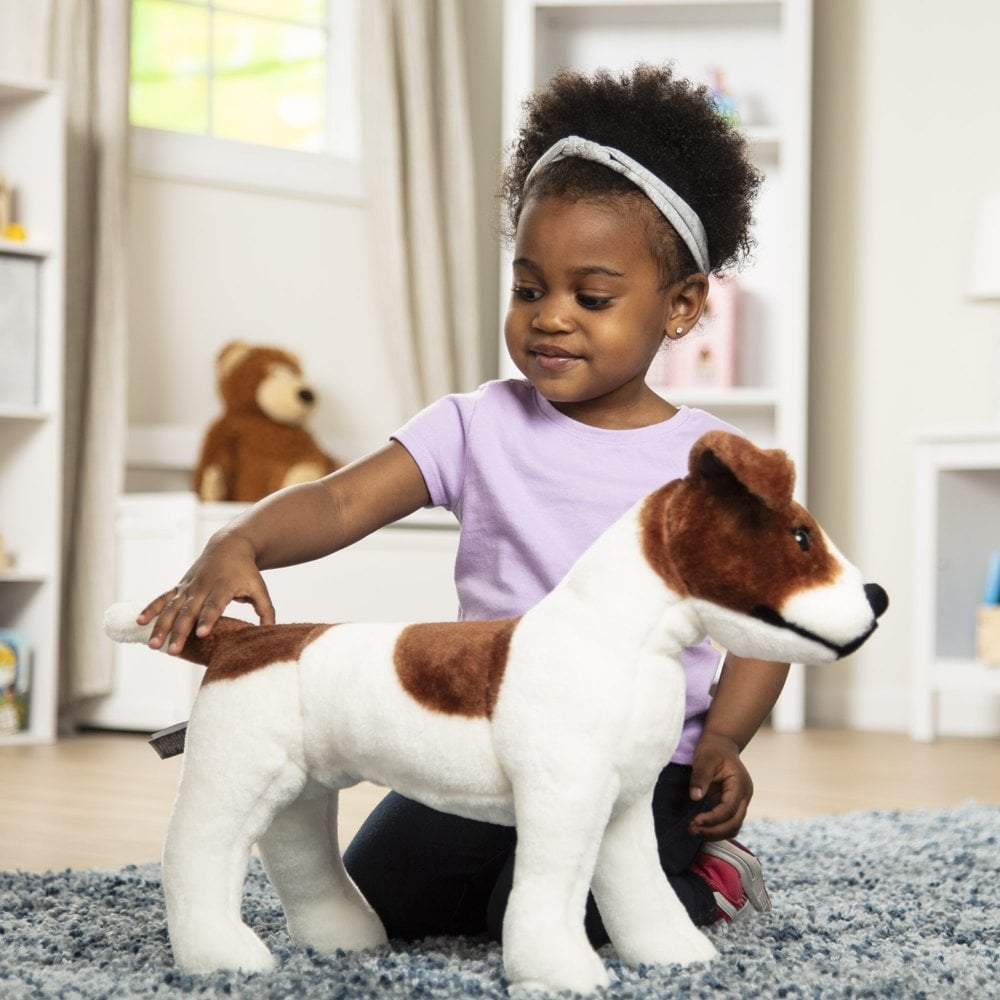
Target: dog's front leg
645,920
301,855
559,829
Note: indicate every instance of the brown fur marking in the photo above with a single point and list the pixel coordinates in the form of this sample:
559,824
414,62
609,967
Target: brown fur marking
454,667
733,541
239,651
655,544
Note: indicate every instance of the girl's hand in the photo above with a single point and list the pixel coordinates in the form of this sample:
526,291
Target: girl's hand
718,776
226,571
294,525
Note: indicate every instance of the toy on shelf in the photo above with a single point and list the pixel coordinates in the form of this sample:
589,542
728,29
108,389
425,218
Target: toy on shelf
567,713
9,229
988,615
725,103
15,682
259,444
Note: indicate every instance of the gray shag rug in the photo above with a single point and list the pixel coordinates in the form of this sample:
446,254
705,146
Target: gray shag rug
883,904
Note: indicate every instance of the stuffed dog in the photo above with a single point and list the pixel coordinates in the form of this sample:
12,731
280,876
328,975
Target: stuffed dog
560,719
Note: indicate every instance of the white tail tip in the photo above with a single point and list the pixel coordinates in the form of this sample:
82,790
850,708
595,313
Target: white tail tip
120,623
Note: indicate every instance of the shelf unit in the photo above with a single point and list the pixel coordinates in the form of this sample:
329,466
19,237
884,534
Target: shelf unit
956,527
32,159
764,48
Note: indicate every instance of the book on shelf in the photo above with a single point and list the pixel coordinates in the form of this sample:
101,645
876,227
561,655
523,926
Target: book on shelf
15,682
706,357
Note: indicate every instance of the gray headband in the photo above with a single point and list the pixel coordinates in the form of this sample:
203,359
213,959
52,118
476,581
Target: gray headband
670,204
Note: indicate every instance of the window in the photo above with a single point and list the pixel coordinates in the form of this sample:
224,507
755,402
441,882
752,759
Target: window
260,93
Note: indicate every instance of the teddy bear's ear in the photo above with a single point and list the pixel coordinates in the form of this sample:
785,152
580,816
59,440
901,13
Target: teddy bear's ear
230,356
719,457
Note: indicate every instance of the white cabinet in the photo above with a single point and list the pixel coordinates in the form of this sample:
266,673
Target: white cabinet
957,526
764,50
32,161
404,572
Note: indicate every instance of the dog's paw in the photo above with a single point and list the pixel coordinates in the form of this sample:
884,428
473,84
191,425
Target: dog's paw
336,925
680,946
234,948
554,970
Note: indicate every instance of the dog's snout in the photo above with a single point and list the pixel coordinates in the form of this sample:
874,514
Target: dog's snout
307,396
878,599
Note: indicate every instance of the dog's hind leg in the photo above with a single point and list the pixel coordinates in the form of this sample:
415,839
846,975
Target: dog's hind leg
205,860
301,856
241,768
645,920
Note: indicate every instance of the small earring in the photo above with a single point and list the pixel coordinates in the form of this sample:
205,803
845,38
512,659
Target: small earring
679,331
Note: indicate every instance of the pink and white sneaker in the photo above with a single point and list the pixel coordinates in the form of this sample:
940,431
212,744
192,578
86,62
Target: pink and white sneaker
735,877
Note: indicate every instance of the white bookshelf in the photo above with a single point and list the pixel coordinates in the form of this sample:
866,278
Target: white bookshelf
32,159
764,48
956,527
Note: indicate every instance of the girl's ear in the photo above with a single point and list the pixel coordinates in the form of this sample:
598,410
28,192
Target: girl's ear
686,300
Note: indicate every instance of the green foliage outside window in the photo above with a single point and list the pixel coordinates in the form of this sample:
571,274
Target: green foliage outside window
249,70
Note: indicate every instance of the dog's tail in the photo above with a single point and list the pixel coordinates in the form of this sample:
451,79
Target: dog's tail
120,624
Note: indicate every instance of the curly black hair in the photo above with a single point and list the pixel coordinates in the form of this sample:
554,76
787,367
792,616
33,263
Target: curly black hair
667,124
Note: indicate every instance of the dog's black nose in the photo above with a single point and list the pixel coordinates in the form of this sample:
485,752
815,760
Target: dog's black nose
877,598
307,396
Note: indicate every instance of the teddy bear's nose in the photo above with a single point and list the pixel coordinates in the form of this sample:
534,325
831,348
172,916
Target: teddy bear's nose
307,396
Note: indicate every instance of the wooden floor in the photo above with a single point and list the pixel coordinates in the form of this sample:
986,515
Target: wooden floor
102,800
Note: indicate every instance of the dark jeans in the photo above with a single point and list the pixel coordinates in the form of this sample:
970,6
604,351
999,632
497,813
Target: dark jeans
429,873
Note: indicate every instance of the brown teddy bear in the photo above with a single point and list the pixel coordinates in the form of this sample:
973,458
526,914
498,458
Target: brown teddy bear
259,445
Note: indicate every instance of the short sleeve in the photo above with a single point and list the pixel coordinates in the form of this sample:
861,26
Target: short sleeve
437,439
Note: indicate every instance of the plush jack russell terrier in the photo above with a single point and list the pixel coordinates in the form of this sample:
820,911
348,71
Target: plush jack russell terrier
560,720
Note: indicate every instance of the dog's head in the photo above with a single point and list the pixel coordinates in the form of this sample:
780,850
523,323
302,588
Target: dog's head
763,576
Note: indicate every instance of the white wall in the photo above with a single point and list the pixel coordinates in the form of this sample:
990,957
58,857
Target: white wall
209,265
905,139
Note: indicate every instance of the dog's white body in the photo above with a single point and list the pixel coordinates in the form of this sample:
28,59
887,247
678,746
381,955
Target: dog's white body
581,705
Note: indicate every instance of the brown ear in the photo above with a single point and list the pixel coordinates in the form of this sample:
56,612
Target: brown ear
767,474
230,356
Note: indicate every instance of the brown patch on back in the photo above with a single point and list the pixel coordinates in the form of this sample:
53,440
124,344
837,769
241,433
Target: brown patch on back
235,652
454,667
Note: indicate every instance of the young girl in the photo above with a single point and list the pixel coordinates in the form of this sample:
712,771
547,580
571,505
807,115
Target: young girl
623,194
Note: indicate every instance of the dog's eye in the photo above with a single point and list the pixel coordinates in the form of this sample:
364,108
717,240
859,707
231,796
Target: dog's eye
802,538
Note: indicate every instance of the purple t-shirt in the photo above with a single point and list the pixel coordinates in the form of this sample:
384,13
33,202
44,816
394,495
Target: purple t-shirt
533,488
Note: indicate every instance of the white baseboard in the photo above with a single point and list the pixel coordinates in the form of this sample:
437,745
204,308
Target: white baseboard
887,709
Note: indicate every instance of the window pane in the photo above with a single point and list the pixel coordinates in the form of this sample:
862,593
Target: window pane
309,11
270,83
169,83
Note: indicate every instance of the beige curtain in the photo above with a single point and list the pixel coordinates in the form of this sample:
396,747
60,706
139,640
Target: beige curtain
419,169
89,54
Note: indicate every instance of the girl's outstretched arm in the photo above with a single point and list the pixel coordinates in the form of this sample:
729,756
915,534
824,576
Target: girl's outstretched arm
294,525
